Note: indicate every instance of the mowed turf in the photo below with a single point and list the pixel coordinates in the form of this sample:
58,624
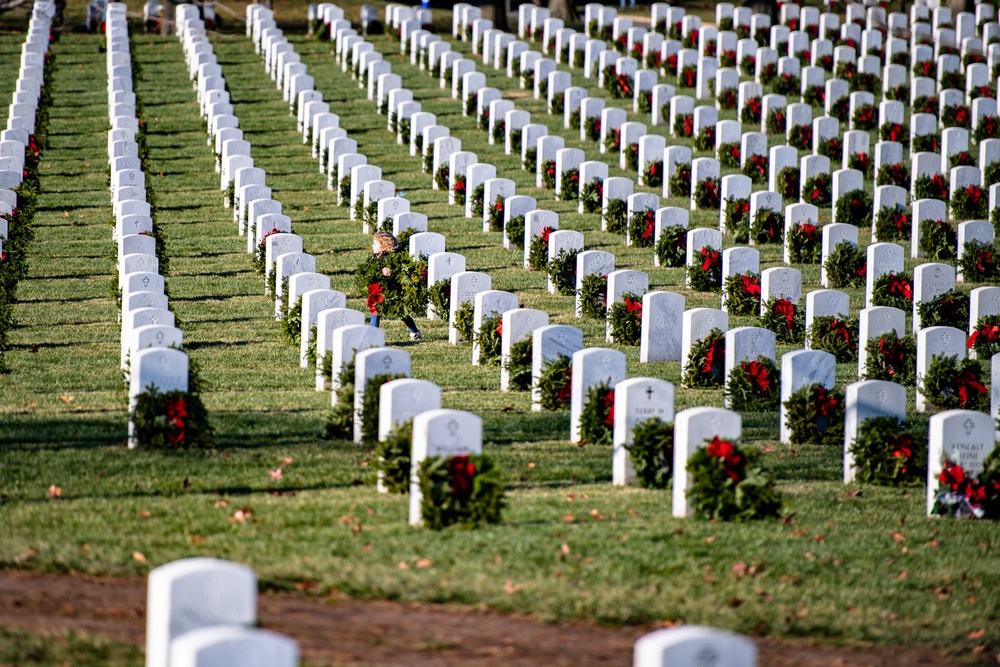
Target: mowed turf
849,564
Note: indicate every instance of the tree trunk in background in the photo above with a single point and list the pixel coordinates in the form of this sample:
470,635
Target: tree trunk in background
167,24
496,11
563,9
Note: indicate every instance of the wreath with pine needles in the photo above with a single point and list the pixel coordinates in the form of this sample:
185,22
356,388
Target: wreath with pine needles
738,219
938,240
706,195
894,290
597,419
978,262
742,291
463,491
893,174
893,223
837,336
518,365
311,347
561,270
985,338
935,186
478,194
514,231
671,247
625,317
952,383
891,358
616,216
594,296
592,195
538,251
754,386
887,454
816,190
555,383
465,320
371,405
727,485
815,415
392,458
729,155
530,163
291,324
489,340
785,319
788,183
494,216
804,245
570,185
707,361
767,227
705,272
705,141
642,228
441,177
680,181
439,296
172,419
855,208
846,266
459,190
969,203
549,174
944,310
652,453
338,422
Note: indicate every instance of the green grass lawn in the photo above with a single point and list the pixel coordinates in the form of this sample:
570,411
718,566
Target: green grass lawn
849,564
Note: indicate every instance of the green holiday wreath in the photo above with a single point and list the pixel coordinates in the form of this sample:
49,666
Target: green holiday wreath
291,324
726,484
705,273
680,180
963,496
514,231
478,194
834,335
754,386
886,454
894,290
737,215
815,415
969,203
592,195
804,244
788,183
816,190
938,240
767,227
616,216
855,208
684,126
570,185
439,296
893,223
846,266
893,174
944,310
742,292
728,155
489,340
530,162
776,122
985,338
561,270
705,140
465,320
642,228
892,358
538,250
464,490
832,148
494,216
800,136
597,419
441,177
555,383
935,186
171,419
338,422
756,167
371,405
785,319
652,175
707,361
652,453
459,189
706,195
518,365
671,247
632,158
594,296
549,174
625,317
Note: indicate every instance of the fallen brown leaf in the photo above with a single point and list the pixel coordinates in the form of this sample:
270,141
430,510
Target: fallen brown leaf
85,548
138,557
25,555
976,634
54,491
66,398
897,536
564,549
510,588
403,565
220,503
632,513
424,563
143,514
709,539
198,539
568,518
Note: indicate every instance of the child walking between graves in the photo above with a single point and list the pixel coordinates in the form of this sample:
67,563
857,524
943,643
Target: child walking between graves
383,276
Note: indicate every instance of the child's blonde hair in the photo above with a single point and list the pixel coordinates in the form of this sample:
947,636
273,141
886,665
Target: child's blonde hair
387,241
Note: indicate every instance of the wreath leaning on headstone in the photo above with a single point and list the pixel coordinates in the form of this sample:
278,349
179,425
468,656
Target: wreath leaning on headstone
706,361
726,485
538,251
754,386
439,296
494,216
815,415
894,290
767,227
554,383
370,405
785,319
944,310
742,291
964,496
891,358
488,338
979,262
594,296
592,195
846,266
985,338
834,335
562,271
642,228
513,229
465,320
893,223
464,490
172,419
518,365
737,215
671,247
938,240
952,384
705,272
855,208
597,420
625,317
886,453
652,453
616,216
291,324
804,245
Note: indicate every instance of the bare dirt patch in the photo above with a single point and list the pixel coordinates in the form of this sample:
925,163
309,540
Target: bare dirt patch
388,634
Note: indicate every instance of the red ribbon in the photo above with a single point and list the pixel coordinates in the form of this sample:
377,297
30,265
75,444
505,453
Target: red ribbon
784,308
609,403
711,258
751,285
990,332
375,297
176,411
968,382
759,376
461,472
727,452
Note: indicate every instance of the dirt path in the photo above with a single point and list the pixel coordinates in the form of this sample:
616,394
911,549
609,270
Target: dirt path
388,634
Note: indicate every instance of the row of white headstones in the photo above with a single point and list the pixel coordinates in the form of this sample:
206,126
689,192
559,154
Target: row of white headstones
14,139
151,346
743,343
202,612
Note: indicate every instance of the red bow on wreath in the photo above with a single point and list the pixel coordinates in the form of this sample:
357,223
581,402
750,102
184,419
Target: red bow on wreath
759,377
609,403
901,286
727,452
176,411
903,449
711,258
808,230
633,305
625,82
460,474
895,355
375,297
714,354
688,126
966,383
990,332
546,232
751,285
784,308
500,328
840,330
649,224
825,404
